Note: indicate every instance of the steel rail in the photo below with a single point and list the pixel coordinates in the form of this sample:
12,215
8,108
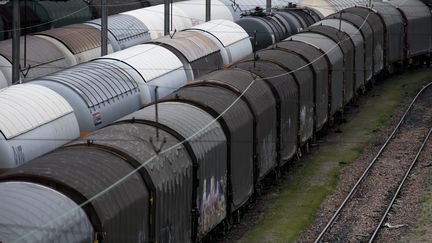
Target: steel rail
371,164
401,184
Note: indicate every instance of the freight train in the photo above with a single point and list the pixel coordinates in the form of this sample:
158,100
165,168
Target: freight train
39,15
178,169
101,91
72,40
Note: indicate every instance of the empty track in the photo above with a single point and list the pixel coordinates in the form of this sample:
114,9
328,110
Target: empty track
364,210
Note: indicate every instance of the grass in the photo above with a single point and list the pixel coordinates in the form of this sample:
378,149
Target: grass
421,231
293,209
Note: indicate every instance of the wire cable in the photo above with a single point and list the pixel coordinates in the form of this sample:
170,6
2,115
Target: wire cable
121,180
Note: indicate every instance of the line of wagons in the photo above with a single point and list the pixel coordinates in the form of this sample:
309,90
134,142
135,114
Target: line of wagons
55,49
179,168
39,15
94,94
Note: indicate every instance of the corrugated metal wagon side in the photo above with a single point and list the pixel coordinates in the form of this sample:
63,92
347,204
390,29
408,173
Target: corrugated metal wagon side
367,34
393,33
81,173
417,26
263,104
359,53
377,26
34,213
302,74
208,143
347,46
335,56
320,74
166,170
285,91
237,123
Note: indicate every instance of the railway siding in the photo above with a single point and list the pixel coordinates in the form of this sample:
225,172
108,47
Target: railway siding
317,176
362,210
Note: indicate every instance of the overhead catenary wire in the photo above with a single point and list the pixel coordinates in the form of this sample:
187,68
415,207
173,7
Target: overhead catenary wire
121,180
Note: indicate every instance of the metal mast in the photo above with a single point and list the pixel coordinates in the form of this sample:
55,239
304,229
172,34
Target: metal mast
208,10
104,30
167,17
16,22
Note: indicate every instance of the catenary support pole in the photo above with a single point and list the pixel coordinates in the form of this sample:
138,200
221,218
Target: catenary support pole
166,17
208,10
268,6
104,30
16,41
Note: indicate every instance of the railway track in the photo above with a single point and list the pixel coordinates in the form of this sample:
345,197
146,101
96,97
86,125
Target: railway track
364,210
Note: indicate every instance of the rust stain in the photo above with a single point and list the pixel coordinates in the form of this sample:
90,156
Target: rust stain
1,172
84,134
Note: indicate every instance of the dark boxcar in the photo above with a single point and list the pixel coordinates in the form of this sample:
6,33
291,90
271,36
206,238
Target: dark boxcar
237,121
417,22
167,175
286,92
207,140
335,56
367,34
347,47
357,40
199,54
82,173
393,32
263,104
377,26
320,73
302,73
